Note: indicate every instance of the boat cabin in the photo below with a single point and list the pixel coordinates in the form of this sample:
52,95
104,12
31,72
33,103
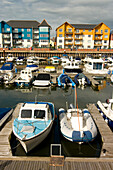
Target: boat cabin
34,111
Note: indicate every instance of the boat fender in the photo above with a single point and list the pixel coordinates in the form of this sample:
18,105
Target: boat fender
107,101
106,120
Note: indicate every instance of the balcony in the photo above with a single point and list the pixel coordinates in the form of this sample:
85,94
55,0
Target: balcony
17,42
78,38
68,32
98,38
36,37
6,36
98,44
78,44
68,37
98,33
78,33
36,31
6,42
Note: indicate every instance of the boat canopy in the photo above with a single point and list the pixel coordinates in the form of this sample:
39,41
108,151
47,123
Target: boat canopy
7,66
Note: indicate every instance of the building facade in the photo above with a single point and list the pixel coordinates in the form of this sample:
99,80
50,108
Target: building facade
24,34
83,36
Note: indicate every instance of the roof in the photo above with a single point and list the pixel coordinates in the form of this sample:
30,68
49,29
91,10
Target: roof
34,106
44,23
84,26
23,23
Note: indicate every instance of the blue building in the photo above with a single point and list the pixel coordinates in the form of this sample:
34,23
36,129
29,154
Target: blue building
24,34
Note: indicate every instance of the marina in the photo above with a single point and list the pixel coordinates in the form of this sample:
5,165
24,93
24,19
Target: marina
92,153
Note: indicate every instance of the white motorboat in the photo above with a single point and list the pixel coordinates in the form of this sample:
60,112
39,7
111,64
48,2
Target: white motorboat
25,79
95,66
34,123
42,79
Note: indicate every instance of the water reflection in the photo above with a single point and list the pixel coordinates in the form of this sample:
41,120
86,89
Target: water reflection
12,96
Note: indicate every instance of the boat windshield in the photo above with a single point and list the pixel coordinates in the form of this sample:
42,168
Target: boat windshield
26,113
43,77
39,114
97,66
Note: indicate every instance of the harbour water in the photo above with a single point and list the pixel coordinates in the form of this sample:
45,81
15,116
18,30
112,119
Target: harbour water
10,97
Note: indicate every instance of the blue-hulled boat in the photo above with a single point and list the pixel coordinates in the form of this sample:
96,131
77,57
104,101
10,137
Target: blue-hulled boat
6,67
65,80
4,114
106,110
34,123
81,79
77,125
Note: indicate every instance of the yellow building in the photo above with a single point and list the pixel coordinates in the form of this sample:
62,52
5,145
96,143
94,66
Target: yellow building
83,36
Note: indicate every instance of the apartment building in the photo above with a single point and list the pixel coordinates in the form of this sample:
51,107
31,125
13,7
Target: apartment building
83,36
24,34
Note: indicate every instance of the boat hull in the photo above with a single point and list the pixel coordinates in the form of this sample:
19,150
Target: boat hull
30,144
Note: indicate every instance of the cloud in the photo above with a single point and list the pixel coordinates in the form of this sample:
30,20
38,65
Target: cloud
56,12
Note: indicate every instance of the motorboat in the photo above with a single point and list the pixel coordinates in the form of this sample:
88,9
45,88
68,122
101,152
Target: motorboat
20,60
64,80
72,66
50,69
8,77
10,58
77,125
42,80
106,110
81,79
32,60
95,66
32,67
6,67
34,123
25,79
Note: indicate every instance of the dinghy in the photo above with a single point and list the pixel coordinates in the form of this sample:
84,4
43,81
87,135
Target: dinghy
34,123
65,80
77,125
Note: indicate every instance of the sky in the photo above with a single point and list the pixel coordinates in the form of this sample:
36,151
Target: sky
56,12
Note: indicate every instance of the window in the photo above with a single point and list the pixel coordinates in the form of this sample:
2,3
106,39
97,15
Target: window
105,41
101,31
105,36
39,114
60,30
96,30
77,31
28,40
89,41
83,30
44,35
22,35
60,35
97,66
106,30
90,30
28,30
60,41
44,29
89,35
28,35
8,29
26,113
69,30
